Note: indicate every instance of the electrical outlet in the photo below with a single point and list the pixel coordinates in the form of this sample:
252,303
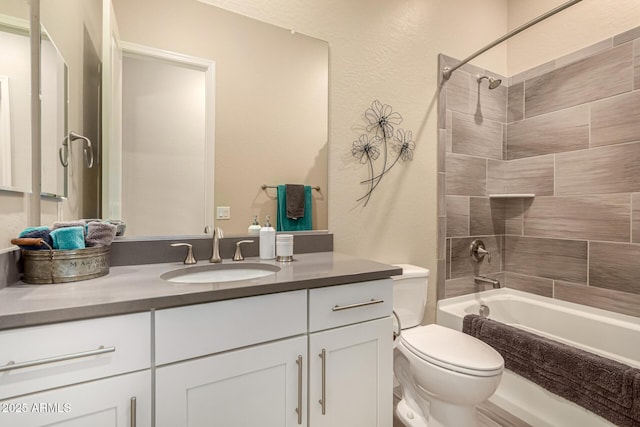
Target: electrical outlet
223,212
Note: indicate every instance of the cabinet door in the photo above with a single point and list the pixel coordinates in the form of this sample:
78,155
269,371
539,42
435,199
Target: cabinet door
101,403
263,385
354,387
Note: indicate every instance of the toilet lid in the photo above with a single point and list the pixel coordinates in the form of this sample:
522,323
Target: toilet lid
454,350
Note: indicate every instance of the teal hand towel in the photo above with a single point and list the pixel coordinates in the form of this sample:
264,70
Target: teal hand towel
288,224
68,238
29,230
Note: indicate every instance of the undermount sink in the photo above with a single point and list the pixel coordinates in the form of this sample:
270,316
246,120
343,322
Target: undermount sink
220,273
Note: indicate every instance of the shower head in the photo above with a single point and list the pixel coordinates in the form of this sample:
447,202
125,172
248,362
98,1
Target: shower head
493,82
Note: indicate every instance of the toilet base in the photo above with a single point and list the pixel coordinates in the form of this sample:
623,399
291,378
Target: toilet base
408,416
445,414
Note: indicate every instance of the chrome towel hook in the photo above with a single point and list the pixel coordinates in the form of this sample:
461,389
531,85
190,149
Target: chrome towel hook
63,152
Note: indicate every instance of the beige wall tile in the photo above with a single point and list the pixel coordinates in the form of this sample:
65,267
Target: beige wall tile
601,217
611,169
481,138
606,74
531,175
564,130
615,266
549,258
496,176
632,34
513,216
466,176
532,284
636,61
486,216
635,218
584,53
459,92
532,72
457,216
606,299
613,120
515,103
461,263
442,150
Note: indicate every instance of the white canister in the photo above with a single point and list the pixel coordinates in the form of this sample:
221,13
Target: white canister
284,247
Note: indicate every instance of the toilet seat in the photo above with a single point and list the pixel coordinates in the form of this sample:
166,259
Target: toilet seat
452,350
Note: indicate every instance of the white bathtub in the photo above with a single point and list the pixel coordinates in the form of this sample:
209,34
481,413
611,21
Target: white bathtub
609,334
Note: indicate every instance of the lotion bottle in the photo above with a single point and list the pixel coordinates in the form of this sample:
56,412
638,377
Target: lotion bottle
267,241
254,229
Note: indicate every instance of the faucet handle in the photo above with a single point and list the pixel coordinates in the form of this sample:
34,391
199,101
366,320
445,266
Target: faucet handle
238,255
477,251
190,259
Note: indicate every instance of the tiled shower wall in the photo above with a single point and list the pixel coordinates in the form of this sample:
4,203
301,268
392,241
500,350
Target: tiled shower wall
569,132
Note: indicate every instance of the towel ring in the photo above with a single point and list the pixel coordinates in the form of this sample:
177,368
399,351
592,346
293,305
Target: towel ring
63,152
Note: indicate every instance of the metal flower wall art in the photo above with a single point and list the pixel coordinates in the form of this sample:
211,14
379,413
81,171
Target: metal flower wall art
381,139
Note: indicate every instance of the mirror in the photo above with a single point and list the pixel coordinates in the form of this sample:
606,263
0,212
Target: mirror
271,110
70,87
54,117
15,97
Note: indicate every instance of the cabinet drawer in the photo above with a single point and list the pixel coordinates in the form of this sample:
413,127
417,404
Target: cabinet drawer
60,354
197,330
335,306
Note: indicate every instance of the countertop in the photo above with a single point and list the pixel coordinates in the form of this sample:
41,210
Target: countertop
131,289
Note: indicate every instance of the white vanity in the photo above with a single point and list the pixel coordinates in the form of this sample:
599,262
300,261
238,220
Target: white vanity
308,355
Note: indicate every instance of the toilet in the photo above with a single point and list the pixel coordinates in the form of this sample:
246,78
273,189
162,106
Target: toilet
442,373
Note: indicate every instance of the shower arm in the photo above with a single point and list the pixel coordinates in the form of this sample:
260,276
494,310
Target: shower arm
447,71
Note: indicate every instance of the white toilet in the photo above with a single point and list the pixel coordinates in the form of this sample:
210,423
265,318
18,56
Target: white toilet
443,373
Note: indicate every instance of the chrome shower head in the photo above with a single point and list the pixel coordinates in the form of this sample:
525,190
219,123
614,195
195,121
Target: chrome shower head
493,82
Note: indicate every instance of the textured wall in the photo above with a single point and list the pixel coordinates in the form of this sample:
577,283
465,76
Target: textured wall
571,137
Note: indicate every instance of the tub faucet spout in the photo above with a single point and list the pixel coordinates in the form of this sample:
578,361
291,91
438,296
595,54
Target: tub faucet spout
482,280
215,250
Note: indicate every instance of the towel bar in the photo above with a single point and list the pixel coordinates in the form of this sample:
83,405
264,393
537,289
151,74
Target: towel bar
264,187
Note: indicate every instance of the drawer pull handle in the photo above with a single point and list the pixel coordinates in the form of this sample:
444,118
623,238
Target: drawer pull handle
12,365
323,400
299,408
359,304
134,410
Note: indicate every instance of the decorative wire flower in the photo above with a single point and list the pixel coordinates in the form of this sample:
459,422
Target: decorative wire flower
403,145
382,118
365,149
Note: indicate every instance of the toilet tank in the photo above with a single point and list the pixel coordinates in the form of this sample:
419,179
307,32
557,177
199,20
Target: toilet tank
410,294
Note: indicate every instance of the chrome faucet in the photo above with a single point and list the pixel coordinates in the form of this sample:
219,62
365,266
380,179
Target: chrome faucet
215,250
482,280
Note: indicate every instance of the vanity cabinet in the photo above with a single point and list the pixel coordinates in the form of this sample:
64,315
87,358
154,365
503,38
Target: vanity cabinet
350,355
256,361
253,372
91,372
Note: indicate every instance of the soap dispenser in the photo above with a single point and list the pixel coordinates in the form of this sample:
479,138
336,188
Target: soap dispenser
254,229
267,241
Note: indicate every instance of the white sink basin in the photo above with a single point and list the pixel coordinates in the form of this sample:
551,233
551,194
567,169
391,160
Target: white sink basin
220,273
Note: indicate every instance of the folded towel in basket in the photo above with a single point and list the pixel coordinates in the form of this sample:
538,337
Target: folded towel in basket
68,237
100,233
606,387
37,233
64,224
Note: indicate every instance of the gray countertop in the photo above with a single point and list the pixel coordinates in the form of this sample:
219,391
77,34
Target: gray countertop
137,288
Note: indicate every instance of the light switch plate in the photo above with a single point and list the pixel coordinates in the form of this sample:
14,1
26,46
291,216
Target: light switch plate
223,212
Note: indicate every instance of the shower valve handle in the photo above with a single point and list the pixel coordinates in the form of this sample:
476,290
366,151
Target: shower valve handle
477,251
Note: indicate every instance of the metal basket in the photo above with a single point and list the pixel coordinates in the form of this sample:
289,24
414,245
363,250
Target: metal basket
61,266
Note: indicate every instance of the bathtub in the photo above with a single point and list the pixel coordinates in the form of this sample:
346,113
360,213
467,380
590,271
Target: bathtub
606,333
